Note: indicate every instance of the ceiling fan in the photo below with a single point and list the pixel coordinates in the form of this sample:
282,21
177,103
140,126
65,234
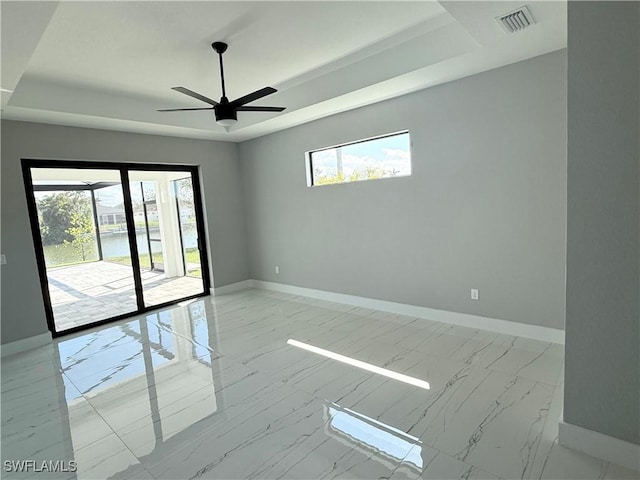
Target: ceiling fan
226,111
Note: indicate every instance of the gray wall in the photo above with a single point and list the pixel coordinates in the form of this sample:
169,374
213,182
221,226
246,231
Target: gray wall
22,307
602,350
485,207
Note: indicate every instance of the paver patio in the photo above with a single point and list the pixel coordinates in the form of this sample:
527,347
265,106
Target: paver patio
82,294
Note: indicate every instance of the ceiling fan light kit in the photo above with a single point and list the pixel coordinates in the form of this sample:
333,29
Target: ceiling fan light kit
226,122
226,112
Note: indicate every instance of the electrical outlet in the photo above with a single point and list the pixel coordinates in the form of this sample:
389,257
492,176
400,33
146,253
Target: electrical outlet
475,294
277,269
3,259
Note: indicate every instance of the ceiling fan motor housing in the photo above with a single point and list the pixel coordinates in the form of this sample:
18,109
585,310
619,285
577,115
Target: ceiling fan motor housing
224,111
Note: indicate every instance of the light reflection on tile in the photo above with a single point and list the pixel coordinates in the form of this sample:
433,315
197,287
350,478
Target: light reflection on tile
378,370
385,443
210,389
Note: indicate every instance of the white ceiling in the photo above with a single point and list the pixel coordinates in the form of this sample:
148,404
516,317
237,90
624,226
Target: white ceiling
111,64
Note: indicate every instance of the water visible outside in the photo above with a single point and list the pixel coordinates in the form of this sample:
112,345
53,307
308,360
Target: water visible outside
115,247
117,244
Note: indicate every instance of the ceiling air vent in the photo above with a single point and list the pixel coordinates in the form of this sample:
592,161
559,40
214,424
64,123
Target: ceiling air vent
517,20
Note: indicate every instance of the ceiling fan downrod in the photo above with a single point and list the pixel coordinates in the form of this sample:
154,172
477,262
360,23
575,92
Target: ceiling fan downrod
220,48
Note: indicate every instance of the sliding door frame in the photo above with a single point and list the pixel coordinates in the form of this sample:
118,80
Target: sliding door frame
123,168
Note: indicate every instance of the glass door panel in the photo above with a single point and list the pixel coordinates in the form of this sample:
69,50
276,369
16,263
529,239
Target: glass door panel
173,271
84,235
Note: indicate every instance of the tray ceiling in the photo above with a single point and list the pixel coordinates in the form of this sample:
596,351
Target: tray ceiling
111,64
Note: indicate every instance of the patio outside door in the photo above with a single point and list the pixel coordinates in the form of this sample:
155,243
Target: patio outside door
113,240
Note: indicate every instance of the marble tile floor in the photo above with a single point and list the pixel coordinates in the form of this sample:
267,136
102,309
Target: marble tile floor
85,293
213,389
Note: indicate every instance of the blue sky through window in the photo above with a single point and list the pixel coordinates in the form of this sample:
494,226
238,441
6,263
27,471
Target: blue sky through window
376,158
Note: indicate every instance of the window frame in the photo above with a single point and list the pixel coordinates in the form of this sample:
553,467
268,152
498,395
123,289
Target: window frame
309,158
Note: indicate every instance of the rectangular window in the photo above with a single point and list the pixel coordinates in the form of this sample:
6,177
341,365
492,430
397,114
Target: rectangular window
385,156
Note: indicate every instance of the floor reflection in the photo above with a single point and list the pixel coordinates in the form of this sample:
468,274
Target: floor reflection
379,441
139,383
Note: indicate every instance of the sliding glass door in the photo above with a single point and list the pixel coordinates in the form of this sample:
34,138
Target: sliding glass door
114,239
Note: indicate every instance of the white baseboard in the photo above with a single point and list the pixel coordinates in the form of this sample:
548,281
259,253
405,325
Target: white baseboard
25,344
536,332
234,287
599,445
